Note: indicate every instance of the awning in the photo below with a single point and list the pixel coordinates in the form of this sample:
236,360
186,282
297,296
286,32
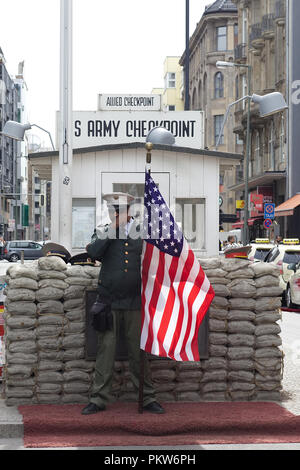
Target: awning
287,208
250,223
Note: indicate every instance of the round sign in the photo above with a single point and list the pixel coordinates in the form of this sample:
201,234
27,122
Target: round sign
268,223
269,208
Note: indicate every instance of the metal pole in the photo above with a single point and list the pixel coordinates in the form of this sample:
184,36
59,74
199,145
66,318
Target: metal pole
66,121
187,55
248,151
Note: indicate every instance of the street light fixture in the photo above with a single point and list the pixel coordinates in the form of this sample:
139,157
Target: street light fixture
15,130
269,104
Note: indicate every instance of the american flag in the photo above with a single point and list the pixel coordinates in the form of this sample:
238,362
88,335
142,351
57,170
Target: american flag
176,293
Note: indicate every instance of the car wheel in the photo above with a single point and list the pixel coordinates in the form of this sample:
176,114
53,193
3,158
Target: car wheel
14,258
288,298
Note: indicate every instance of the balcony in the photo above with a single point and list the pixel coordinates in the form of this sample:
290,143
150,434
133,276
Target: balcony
240,53
280,12
256,37
268,26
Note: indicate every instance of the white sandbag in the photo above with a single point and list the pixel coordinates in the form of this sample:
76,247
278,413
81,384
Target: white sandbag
51,319
219,375
241,327
164,375
20,370
245,273
218,338
51,275
49,343
220,302
81,364
217,350
27,309
75,387
48,331
218,280
74,327
265,269
221,290
214,363
267,281
267,341
49,399
189,376
22,270
267,329
18,382
49,365
241,315
49,293
217,325
50,307
74,292
92,271
23,283
51,355
16,295
20,322
21,358
73,304
214,387
215,273
241,364
73,354
26,347
49,377
218,313
52,263
18,392
241,352
272,352
267,317
269,291
178,387
242,304
268,396
75,315
264,304
79,281
241,339
241,376
214,396
57,283
76,376
210,263
77,271
73,341
234,264
69,398
241,386
16,334
193,397
242,288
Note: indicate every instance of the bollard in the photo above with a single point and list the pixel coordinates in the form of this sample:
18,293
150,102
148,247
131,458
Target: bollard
22,256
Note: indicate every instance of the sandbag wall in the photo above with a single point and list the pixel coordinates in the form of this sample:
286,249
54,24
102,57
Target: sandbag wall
45,338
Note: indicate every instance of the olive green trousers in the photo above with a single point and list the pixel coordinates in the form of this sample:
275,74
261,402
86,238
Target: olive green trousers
105,359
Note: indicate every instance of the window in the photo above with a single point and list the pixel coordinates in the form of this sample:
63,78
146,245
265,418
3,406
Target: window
171,107
190,217
170,80
244,27
83,221
222,38
218,121
236,34
219,85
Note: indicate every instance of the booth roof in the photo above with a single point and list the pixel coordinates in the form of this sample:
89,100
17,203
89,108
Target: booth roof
134,145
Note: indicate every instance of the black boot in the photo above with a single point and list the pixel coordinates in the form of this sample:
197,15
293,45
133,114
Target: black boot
92,408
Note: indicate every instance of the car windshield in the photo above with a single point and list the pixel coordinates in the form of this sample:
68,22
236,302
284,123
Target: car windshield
261,254
272,255
291,257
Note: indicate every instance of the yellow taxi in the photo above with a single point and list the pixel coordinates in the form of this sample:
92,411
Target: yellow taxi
260,249
283,255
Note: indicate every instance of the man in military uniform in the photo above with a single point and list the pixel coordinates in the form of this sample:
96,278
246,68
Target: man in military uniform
119,286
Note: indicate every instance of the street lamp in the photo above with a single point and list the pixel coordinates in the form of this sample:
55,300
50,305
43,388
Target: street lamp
269,104
15,130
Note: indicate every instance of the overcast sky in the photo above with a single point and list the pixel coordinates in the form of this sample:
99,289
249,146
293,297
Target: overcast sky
119,47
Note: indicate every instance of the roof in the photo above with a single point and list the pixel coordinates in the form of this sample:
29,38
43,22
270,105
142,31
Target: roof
220,6
288,207
134,145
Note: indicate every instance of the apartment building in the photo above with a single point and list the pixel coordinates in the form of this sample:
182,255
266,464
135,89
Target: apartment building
172,92
262,45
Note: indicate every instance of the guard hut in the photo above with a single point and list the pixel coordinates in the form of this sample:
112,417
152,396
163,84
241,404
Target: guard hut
188,179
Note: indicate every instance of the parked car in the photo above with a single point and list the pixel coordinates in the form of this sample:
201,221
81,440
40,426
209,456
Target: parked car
292,293
260,249
13,249
283,256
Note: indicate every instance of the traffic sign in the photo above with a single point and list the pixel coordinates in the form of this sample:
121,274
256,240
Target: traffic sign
269,211
268,223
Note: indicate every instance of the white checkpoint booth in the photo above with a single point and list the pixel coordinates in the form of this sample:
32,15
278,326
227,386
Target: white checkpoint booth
188,179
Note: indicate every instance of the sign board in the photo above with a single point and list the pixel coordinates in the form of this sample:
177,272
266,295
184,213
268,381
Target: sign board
269,211
11,225
94,128
240,204
129,102
268,223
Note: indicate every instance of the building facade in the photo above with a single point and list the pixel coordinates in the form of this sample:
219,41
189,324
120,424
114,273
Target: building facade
8,153
172,93
262,45
212,89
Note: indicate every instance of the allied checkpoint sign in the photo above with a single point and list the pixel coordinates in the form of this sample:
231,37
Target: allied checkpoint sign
95,128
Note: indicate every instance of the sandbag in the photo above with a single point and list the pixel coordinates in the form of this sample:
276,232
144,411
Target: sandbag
49,293
56,283
22,270
265,269
16,295
27,309
23,283
51,263
50,306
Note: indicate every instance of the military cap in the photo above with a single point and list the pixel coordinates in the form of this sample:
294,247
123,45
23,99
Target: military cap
82,259
118,199
240,252
54,249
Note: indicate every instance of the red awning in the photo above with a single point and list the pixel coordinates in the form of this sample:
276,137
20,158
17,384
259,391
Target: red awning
238,225
251,221
288,207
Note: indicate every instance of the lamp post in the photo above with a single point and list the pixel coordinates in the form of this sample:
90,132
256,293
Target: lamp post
269,104
16,131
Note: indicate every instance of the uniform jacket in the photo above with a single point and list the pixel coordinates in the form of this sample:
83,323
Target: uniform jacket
120,275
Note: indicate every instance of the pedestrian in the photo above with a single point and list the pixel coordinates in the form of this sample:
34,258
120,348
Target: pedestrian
278,240
119,299
2,244
231,243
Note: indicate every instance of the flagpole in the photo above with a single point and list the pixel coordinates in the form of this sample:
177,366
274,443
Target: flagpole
149,147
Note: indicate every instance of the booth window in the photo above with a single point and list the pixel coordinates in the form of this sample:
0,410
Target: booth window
83,221
190,217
